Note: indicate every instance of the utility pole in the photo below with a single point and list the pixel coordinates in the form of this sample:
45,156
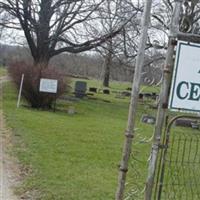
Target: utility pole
163,103
129,133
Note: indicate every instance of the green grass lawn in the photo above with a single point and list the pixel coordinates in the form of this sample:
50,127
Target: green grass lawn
3,71
76,157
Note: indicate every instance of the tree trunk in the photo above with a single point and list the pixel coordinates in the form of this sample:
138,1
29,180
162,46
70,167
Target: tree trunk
41,61
108,62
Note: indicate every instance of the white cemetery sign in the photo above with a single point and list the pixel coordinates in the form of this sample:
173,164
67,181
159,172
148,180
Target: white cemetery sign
185,88
48,85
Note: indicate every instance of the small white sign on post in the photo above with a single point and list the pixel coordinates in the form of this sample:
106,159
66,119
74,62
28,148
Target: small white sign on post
48,85
185,88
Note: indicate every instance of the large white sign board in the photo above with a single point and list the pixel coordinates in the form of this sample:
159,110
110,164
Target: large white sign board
185,88
48,85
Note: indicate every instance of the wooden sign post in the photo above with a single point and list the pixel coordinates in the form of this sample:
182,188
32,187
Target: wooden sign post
20,91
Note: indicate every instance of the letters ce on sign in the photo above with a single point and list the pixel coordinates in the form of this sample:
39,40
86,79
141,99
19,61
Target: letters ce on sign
185,88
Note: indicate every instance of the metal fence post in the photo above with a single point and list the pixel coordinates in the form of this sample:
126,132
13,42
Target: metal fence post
174,28
129,133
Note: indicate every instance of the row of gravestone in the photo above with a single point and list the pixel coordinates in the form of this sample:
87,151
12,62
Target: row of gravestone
188,123
179,122
81,88
142,95
152,95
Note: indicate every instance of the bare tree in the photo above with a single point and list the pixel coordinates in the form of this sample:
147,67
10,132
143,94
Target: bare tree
109,19
114,49
189,16
52,27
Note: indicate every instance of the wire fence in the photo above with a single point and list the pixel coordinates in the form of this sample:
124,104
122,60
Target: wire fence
138,165
177,172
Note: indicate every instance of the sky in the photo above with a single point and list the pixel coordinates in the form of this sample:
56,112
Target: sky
13,37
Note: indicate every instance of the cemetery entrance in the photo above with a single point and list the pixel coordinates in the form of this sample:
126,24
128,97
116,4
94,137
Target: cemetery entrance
178,169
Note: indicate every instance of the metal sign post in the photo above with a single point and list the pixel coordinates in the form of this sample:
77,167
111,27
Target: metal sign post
174,29
49,86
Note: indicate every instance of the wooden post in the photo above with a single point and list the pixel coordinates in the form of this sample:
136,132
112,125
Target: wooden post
129,133
20,91
163,103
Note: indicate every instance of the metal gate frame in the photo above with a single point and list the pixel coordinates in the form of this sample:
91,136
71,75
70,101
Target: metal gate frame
164,149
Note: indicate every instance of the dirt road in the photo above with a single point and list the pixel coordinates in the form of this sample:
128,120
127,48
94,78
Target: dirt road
9,172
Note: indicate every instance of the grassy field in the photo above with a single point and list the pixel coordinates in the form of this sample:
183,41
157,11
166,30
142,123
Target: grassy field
3,71
76,157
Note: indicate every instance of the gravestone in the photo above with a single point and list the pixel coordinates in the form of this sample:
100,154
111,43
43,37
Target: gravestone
106,91
141,95
147,95
126,94
80,89
148,119
93,89
186,123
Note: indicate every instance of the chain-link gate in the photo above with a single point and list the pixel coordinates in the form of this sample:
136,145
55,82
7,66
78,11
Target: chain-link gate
178,170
